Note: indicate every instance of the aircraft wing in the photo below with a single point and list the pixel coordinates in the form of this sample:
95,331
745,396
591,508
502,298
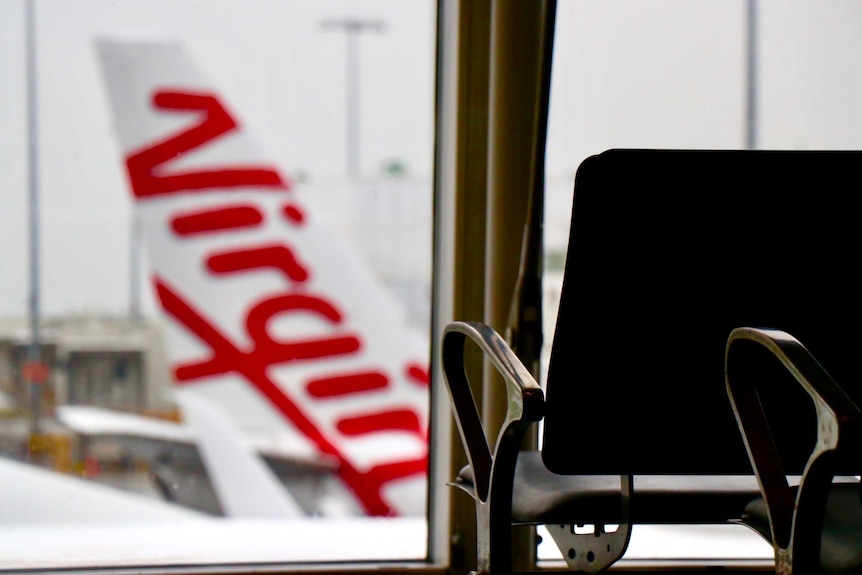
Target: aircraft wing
151,435
206,454
31,494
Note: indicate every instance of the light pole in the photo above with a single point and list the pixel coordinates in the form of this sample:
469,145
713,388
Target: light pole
751,76
352,28
34,372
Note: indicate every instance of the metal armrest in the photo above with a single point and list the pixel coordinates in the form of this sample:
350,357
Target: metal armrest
493,472
796,527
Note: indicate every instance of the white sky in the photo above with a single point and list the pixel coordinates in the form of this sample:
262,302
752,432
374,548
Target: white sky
628,73
278,70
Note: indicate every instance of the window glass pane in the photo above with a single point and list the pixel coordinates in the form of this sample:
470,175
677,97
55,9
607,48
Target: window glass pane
226,356
673,74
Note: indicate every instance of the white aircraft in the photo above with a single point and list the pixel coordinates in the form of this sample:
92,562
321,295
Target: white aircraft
270,315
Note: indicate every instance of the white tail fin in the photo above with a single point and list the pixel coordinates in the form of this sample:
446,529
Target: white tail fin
268,313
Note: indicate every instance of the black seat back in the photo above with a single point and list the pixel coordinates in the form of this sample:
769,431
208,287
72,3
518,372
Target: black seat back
668,252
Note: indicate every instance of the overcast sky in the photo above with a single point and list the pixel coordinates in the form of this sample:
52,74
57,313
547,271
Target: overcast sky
628,73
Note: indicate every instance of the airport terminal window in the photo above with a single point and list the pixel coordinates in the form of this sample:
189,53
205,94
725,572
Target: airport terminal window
674,74
195,205
217,333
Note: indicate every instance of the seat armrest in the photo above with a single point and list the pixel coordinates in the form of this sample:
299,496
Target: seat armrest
796,526
525,404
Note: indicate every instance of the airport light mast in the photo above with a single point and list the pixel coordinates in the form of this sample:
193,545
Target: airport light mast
352,28
751,76
35,373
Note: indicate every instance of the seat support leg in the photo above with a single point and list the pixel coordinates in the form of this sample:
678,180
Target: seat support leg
594,552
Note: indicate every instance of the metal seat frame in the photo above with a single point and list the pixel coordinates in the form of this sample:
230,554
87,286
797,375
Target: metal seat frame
669,252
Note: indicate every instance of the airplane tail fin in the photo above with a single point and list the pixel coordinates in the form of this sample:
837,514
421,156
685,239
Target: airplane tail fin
268,313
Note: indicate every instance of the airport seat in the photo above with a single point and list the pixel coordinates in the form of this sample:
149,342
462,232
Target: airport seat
815,523
669,251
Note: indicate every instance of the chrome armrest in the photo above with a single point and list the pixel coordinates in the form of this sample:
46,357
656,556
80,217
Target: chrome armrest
525,405
493,472
796,526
